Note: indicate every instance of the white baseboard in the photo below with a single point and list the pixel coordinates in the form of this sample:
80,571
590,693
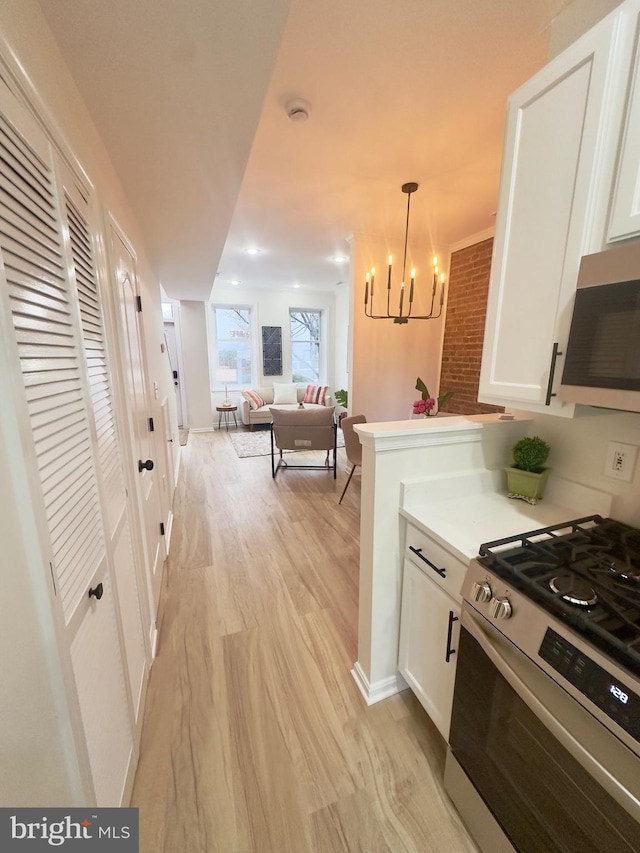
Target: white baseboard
202,429
153,641
373,693
168,531
127,788
176,472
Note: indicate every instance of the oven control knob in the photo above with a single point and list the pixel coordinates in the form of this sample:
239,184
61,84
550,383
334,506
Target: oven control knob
481,592
500,608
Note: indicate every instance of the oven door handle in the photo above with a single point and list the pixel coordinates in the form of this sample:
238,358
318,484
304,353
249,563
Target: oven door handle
620,794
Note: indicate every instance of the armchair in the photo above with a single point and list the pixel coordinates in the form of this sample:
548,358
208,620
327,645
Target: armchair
303,429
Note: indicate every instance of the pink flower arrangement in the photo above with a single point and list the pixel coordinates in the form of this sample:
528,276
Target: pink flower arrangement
421,407
427,404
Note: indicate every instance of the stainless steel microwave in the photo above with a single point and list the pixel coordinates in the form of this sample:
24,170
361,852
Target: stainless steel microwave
602,361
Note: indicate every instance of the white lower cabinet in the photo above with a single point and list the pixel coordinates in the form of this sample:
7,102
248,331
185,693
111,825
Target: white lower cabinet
429,631
429,625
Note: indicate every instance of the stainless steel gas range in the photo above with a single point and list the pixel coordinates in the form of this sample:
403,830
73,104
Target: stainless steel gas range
544,750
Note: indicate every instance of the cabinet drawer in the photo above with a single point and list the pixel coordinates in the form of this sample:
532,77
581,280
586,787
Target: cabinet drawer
436,562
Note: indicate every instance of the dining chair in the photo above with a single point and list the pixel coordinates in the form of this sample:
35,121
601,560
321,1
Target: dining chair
352,445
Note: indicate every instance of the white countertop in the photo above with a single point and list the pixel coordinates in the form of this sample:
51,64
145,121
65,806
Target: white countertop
444,422
464,511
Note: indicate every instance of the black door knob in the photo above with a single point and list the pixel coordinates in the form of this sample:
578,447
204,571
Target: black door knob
145,466
97,591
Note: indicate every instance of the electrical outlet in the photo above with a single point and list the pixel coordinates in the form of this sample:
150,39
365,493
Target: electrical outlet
621,461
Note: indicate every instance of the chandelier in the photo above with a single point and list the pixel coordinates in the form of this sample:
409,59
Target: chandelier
405,307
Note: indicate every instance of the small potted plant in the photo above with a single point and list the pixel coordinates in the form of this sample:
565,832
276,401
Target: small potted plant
528,476
342,399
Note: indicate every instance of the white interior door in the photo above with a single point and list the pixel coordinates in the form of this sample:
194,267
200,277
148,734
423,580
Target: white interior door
39,316
139,410
117,512
172,350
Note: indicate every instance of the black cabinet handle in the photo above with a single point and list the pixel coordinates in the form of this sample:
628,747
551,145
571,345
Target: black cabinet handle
418,553
450,651
97,591
552,373
145,466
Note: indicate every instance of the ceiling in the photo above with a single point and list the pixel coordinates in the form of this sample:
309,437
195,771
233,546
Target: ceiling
413,90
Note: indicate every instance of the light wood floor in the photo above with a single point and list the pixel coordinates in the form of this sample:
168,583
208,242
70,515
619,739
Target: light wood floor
255,736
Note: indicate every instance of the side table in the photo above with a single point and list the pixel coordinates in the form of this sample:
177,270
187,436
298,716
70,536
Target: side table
223,415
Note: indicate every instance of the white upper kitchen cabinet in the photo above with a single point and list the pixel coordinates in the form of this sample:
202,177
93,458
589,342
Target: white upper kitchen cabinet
625,212
561,140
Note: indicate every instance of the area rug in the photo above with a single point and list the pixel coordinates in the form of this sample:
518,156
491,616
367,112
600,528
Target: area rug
259,443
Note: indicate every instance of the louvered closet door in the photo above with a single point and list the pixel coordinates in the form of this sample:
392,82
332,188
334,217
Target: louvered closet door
58,445
110,469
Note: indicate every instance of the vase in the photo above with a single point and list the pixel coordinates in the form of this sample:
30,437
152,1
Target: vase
526,485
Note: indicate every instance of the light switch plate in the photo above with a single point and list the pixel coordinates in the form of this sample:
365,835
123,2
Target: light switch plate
621,461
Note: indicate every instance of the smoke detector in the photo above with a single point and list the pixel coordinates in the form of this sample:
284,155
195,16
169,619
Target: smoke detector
297,110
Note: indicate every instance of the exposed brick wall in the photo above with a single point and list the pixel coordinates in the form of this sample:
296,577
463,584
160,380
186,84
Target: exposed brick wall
464,329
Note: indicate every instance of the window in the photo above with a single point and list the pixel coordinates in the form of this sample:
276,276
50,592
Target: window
231,357
306,340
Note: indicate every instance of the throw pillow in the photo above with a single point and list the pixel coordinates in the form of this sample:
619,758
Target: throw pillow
255,400
316,394
284,395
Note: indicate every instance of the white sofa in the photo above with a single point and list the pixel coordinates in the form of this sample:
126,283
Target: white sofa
250,417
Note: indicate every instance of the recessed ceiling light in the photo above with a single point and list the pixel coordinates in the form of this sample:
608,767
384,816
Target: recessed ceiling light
340,259
253,251
234,281
296,285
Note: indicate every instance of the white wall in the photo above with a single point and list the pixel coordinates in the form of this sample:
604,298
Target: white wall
578,452
195,356
342,368
387,358
271,308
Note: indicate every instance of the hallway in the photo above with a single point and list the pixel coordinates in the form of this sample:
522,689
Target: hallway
255,737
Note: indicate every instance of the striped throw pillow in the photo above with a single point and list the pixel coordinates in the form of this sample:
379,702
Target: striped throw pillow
255,400
316,394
